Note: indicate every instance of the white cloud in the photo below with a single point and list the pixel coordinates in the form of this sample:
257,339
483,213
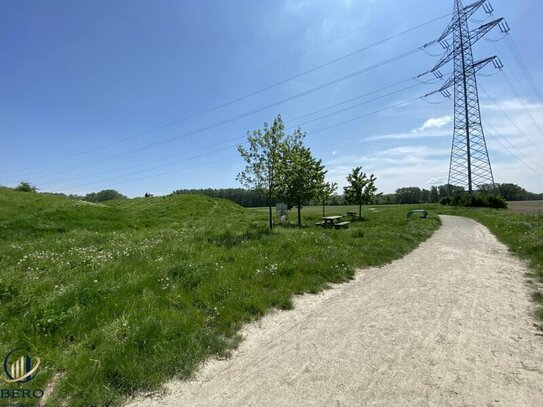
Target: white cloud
512,105
412,135
436,122
419,132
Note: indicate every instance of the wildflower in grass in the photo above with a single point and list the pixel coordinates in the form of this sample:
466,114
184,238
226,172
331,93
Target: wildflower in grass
271,269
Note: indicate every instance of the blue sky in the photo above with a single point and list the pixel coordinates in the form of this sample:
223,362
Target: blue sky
149,96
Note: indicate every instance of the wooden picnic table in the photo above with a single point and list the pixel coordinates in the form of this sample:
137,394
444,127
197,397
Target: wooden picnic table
351,213
332,222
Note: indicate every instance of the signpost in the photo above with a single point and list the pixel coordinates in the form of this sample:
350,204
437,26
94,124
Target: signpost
282,211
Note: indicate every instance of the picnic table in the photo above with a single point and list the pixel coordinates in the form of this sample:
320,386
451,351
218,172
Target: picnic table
351,213
332,222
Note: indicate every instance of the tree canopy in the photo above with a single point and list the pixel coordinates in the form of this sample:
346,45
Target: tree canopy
263,160
301,175
361,189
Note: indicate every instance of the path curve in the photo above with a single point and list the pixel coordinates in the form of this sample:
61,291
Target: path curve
449,324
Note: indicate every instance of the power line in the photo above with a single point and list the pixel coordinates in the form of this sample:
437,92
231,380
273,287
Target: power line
521,101
230,146
166,173
310,133
527,165
366,115
359,104
238,117
350,100
292,127
238,99
517,56
504,113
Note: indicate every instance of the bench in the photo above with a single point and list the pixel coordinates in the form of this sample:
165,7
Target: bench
422,212
342,225
319,224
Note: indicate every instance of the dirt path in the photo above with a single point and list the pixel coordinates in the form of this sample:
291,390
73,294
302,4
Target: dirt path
449,324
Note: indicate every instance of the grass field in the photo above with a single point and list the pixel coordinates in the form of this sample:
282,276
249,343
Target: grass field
118,297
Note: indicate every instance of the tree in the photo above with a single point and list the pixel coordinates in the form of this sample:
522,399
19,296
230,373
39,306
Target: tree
408,195
263,159
361,189
369,191
513,192
301,175
104,195
25,186
434,195
325,191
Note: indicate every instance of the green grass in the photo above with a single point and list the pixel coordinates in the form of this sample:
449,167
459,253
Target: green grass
521,232
119,297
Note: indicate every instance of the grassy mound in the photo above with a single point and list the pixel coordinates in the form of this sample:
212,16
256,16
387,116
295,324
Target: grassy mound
118,297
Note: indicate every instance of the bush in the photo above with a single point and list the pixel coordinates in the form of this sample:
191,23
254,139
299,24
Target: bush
105,195
476,200
26,187
446,201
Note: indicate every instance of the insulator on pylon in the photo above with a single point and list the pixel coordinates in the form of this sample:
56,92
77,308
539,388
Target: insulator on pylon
444,44
437,74
446,93
497,63
504,27
487,7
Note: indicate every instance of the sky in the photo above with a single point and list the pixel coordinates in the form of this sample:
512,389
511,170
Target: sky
153,96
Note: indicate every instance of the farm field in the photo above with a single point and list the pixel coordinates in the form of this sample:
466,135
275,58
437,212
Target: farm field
116,298
533,207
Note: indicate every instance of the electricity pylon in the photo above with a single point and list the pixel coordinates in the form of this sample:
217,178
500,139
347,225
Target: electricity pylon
469,165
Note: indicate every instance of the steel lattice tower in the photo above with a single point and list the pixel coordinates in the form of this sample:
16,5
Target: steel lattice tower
469,163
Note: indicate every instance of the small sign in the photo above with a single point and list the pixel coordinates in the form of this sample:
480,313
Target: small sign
281,211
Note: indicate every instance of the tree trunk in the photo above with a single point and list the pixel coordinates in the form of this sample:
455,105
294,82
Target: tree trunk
360,210
270,207
300,215
323,204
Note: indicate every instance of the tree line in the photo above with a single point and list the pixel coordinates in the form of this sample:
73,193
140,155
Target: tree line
415,195
101,196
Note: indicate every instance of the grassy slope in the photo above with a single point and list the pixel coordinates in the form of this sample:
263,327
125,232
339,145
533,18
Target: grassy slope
119,297
521,232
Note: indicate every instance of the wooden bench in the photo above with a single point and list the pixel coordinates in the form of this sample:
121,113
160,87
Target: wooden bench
342,225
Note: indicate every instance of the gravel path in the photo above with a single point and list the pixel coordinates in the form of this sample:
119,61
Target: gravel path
449,324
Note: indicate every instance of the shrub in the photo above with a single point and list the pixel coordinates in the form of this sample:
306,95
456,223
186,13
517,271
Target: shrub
446,201
104,195
476,200
26,187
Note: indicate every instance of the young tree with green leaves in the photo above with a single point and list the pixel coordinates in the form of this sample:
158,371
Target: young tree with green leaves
301,174
263,160
326,190
361,189
369,191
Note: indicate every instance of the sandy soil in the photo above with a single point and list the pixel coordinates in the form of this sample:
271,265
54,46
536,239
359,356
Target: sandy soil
449,324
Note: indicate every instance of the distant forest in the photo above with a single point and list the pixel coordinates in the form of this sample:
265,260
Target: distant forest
406,195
